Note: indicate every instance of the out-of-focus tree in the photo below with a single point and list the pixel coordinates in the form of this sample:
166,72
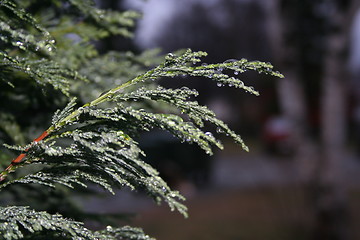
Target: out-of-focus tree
310,39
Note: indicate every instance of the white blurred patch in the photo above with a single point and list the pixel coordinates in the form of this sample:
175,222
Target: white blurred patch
158,13
354,53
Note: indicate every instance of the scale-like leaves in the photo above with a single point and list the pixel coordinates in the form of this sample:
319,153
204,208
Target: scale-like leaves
13,23
187,65
44,72
177,65
116,23
19,30
18,222
101,156
126,233
22,222
179,98
20,15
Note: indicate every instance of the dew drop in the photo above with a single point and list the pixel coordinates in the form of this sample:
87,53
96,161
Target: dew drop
170,56
171,123
209,134
219,130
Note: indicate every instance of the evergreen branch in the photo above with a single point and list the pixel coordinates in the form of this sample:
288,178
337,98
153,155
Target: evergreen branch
22,16
43,71
182,65
114,22
126,232
94,143
180,99
104,157
22,222
102,151
18,222
24,40
185,131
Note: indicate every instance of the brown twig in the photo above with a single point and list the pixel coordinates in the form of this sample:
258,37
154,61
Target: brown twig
21,156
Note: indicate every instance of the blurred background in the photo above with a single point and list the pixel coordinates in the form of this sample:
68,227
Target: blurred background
300,179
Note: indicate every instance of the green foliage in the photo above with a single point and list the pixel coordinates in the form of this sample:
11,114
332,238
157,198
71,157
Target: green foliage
95,143
21,222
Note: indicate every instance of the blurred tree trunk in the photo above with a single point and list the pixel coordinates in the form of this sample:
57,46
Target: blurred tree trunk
291,92
329,193
331,198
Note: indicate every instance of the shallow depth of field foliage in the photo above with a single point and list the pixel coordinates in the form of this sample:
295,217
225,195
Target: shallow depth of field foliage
85,109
